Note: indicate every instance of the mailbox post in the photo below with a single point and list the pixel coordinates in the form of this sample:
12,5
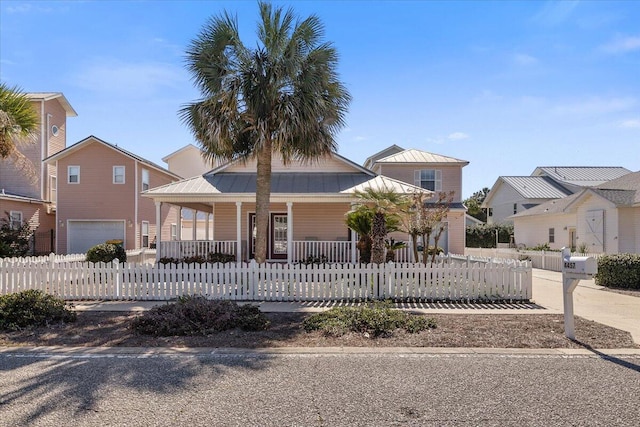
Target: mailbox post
573,270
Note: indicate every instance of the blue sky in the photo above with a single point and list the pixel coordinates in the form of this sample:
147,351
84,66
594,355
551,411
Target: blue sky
507,86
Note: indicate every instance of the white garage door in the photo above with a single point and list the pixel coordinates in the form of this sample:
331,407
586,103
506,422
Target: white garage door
83,235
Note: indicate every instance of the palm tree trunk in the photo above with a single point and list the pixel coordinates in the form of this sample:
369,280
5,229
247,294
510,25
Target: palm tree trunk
263,196
378,233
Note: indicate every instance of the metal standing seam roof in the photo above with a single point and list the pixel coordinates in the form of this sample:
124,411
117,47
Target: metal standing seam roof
585,176
536,187
418,156
282,183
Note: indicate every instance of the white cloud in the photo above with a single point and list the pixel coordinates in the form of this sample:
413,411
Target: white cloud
630,124
595,106
457,136
622,45
555,12
27,8
359,138
128,79
523,59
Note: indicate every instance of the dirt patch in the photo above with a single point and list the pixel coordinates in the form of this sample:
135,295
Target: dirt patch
453,330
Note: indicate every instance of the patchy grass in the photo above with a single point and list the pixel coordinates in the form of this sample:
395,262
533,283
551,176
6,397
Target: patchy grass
287,330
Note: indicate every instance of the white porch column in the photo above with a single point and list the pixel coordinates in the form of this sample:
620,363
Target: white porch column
354,252
289,232
158,229
213,222
194,224
179,225
206,226
238,231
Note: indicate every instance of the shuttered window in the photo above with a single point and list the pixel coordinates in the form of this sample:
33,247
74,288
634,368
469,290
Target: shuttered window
430,179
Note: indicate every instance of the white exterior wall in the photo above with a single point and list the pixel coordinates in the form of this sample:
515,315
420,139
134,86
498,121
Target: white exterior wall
502,201
534,230
629,236
188,163
611,237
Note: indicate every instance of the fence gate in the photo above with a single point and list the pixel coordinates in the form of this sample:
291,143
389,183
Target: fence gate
44,242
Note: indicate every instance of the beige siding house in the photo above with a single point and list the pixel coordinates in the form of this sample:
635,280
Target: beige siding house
33,199
99,186
308,205
600,219
433,172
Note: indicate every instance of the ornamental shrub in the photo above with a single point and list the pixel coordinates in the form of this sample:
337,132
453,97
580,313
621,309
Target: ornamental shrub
32,308
195,315
106,252
619,271
484,235
376,319
14,241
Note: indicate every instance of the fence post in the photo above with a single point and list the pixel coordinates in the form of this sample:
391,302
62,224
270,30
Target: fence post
116,282
543,259
52,259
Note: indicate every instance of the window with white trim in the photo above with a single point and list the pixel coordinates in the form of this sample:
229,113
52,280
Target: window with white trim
145,179
118,174
53,189
145,234
174,232
430,179
73,174
15,220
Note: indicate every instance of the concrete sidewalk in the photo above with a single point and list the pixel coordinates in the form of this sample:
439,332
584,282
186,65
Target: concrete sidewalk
591,302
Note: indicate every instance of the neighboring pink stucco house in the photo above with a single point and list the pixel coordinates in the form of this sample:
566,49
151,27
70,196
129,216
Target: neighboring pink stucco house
34,200
99,186
308,203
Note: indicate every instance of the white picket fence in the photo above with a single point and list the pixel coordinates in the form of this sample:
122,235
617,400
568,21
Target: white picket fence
449,279
545,260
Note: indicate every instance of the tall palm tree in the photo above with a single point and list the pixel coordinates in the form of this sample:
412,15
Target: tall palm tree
18,126
283,96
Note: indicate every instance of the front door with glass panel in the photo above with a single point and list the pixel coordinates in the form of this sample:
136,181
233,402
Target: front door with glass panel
277,236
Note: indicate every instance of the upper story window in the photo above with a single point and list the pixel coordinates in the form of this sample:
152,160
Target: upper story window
145,179
430,179
552,235
515,208
15,220
118,174
53,189
73,174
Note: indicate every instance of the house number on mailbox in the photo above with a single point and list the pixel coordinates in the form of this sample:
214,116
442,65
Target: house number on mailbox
571,265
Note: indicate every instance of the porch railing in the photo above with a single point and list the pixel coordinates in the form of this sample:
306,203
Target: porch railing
189,248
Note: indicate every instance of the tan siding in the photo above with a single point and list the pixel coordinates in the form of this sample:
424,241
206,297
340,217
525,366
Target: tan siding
188,163
321,165
322,221
456,224
147,207
96,197
451,175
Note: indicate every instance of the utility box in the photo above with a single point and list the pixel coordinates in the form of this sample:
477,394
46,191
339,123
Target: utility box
579,267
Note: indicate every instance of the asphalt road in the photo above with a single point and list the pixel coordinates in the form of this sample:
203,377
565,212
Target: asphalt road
38,389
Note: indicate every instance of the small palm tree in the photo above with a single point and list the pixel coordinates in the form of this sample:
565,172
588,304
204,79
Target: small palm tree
384,205
18,126
359,221
283,96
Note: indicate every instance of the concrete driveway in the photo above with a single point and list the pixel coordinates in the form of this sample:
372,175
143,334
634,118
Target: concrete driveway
590,302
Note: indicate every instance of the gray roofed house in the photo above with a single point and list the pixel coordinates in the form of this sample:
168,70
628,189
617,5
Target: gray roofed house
604,218
309,201
513,194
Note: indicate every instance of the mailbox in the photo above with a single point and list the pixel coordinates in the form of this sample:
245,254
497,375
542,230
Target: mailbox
583,266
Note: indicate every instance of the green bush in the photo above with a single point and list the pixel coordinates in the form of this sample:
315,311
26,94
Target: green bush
32,308
376,319
14,242
619,271
484,235
196,315
212,257
106,252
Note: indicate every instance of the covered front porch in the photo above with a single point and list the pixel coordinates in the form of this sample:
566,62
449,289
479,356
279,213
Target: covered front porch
299,231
